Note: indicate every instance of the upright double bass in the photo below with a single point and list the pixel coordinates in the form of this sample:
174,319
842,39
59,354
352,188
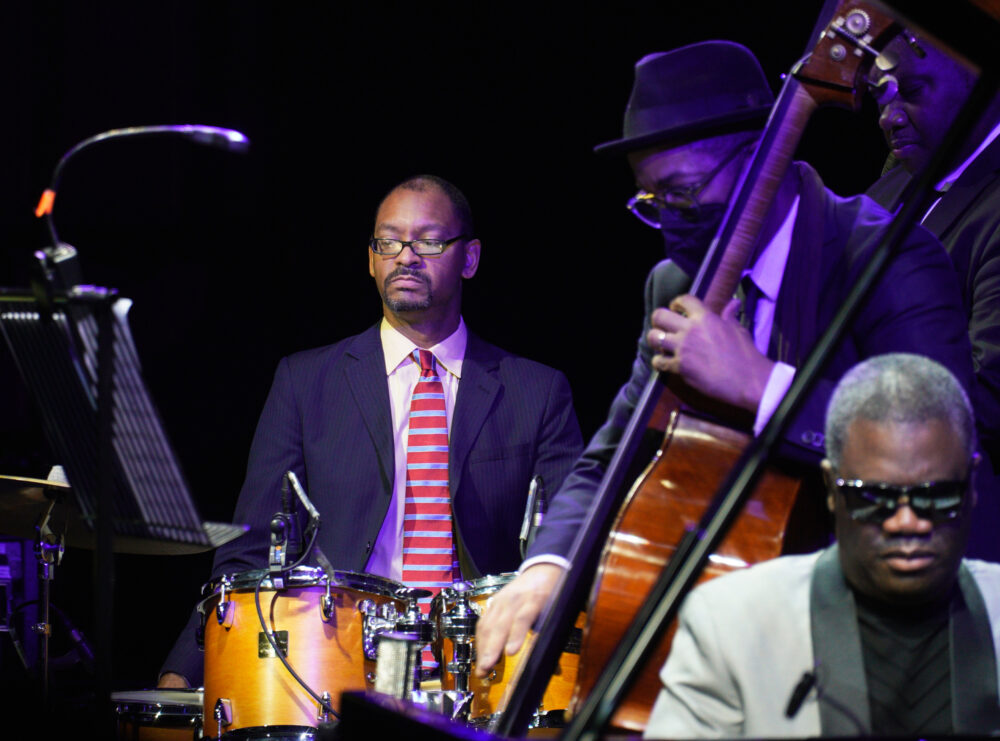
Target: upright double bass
694,458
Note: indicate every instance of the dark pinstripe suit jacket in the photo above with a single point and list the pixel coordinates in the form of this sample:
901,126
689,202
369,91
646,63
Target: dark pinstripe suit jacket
328,418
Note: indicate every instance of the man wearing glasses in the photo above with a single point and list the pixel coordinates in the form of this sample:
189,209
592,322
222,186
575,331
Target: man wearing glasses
691,125
417,413
888,632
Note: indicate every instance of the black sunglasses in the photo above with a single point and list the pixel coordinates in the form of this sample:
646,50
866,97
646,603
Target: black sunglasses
937,501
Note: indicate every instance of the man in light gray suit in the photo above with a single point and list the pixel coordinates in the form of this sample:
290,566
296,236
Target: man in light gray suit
890,631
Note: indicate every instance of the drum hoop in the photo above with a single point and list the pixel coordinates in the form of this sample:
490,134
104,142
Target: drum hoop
307,576
175,707
151,716
489,584
161,696
483,586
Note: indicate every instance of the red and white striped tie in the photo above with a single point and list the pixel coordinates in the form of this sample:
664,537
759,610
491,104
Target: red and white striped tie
429,559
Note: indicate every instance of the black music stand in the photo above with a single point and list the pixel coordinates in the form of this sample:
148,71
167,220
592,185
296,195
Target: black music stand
75,352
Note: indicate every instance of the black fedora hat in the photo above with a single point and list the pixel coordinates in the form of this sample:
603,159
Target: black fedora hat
701,90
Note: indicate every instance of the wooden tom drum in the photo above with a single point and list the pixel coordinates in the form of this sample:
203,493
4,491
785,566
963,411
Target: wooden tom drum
325,627
489,691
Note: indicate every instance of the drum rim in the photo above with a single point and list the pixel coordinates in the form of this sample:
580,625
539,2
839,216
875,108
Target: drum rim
307,576
271,733
483,585
161,697
164,707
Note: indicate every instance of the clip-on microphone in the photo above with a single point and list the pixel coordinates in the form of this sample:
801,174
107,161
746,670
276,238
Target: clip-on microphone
282,541
534,512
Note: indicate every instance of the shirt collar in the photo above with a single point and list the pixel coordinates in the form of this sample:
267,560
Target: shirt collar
397,347
770,266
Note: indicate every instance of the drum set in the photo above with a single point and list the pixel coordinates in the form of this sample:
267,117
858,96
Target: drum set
327,628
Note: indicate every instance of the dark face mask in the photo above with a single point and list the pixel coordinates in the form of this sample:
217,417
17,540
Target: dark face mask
687,241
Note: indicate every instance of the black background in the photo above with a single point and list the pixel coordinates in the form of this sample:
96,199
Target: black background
234,261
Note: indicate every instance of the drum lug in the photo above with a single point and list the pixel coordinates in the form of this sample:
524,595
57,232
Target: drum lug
323,714
223,712
224,610
376,620
326,604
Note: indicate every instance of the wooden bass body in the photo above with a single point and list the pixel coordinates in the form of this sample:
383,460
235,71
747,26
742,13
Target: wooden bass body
785,515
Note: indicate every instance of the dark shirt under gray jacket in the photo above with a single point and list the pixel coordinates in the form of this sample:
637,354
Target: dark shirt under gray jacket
746,640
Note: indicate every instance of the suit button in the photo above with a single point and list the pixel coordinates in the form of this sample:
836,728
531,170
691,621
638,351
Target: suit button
368,547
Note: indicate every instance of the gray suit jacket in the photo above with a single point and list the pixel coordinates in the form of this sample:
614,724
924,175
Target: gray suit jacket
745,640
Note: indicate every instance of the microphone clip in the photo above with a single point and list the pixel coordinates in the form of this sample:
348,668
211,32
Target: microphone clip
277,555
799,694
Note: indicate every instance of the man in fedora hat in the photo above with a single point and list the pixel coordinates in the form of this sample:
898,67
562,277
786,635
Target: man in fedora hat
692,121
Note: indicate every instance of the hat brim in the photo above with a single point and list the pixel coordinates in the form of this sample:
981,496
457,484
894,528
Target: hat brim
715,126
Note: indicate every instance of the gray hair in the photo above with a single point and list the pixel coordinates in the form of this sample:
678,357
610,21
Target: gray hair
898,387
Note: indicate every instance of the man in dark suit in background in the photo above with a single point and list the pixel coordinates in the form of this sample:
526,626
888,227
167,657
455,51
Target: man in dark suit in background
690,126
920,90
338,417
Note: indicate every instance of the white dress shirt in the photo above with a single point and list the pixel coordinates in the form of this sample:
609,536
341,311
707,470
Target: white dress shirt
402,374
767,273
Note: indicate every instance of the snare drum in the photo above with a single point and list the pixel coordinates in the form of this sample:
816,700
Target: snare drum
488,691
326,627
158,715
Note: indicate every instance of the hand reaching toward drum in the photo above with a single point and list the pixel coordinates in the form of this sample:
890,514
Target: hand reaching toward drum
512,612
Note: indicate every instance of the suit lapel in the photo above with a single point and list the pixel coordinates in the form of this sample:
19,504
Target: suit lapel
840,672
843,689
477,392
974,705
965,190
364,374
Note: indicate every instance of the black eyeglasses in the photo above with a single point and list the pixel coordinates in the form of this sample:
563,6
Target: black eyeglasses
680,202
391,247
937,501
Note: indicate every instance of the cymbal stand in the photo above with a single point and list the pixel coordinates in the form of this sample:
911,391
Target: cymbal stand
49,550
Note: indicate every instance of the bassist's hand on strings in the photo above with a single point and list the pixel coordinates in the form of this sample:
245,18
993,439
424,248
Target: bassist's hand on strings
712,354
511,613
